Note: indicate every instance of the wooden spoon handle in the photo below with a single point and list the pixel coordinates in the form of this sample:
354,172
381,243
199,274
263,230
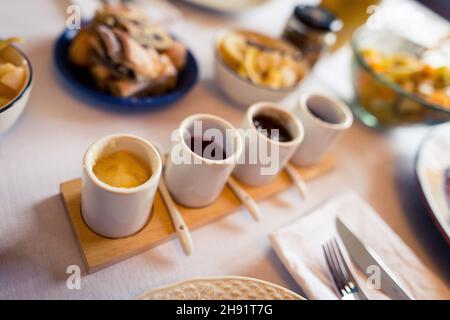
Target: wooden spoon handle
178,222
245,198
297,179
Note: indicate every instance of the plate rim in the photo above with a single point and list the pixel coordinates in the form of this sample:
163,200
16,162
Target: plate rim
418,159
218,278
233,10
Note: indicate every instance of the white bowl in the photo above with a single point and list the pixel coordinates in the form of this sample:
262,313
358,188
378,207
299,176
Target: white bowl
12,111
243,91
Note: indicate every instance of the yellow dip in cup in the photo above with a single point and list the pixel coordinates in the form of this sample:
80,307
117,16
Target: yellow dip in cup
122,170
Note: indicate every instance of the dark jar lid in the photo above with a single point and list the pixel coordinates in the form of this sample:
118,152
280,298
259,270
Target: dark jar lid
317,17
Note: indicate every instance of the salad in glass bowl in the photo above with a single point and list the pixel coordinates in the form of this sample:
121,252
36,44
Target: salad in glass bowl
393,82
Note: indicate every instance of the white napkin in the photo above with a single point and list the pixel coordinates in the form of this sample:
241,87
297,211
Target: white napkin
159,11
299,246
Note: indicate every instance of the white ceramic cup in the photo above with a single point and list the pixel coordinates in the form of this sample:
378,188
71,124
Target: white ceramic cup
197,181
118,212
250,171
320,134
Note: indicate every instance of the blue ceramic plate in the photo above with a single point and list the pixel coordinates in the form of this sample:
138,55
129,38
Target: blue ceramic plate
78,79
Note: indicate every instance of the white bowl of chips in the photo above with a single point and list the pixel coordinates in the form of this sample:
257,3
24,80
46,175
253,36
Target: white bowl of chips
252,67
15,84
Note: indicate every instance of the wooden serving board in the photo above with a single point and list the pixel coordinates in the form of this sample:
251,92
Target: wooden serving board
99,252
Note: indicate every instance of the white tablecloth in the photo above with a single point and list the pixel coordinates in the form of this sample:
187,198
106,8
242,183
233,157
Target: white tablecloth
45,148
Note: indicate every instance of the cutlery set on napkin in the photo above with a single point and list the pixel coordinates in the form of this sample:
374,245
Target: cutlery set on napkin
344,250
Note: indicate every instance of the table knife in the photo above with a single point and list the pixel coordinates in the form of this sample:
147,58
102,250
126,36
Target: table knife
364,257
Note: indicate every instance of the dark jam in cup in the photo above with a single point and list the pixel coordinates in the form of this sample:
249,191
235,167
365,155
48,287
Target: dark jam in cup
207,148
272,128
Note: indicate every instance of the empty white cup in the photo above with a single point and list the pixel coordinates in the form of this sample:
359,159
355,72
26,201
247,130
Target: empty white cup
324,119
118,212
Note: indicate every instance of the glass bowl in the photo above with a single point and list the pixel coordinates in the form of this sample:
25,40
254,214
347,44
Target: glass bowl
379,102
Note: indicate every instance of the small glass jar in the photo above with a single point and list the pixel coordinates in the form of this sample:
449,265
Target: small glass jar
312,30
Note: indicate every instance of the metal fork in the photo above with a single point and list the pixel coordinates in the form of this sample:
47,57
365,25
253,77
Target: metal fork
343,279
